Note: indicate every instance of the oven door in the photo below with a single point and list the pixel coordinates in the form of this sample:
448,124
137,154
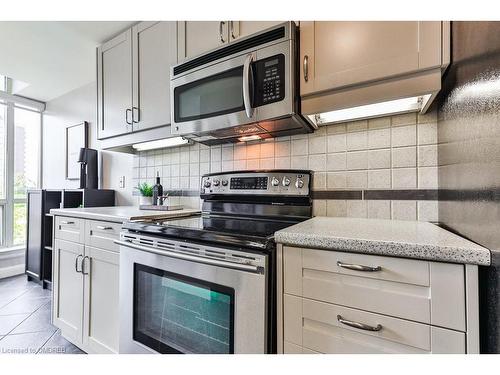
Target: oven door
229,95
175,303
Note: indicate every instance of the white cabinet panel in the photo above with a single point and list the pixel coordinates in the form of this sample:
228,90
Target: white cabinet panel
154,52
68,289
318,328
102,234
344,53
197,37
238,29
101,308
410,289
114,86
69,229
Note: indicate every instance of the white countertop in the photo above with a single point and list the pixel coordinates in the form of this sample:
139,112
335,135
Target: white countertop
408,239
119,214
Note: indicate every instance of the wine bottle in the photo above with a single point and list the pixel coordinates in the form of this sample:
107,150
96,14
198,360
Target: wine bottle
157,189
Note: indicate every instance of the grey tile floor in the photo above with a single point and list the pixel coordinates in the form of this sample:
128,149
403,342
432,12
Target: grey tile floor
25,311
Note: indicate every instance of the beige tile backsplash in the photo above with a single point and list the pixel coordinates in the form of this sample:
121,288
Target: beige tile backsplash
394,152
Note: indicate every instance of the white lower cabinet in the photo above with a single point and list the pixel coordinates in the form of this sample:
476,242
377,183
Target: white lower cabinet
67,289
100,311
86,289
338,302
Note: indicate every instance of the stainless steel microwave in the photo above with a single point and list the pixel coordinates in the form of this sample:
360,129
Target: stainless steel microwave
245,90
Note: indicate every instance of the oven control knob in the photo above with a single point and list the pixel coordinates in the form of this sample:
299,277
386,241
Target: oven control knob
224,182
275,181
299,183
286,181
207,184
216,182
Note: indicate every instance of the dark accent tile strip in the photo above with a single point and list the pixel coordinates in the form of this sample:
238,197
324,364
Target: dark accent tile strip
410,194
486,195
413,195
337,194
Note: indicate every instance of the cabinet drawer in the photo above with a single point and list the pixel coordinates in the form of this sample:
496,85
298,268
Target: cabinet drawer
69,229
102,234
318,326
422,291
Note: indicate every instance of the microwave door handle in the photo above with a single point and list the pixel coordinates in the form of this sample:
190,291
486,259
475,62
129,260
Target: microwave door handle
247,70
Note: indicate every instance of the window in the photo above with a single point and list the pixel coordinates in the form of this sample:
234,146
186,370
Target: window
20,155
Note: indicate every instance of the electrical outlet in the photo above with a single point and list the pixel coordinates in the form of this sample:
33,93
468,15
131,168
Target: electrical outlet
122,182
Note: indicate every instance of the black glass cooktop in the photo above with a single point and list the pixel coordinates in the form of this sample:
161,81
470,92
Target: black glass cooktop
240,231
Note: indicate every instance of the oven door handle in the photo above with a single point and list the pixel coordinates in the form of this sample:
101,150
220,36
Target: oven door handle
247,81
209,261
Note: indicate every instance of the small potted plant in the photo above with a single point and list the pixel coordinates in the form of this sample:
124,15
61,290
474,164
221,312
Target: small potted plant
146,191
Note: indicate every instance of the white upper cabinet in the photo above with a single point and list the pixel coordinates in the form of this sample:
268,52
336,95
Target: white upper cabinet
344,53
133,79
196,37
154,47
238,29
114,86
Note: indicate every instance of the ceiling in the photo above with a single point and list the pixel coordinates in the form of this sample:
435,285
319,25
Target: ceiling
52,57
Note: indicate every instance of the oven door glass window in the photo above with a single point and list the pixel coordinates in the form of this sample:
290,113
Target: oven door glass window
178,314
215,95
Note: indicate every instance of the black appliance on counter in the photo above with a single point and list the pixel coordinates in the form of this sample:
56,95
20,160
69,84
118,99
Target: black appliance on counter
207,283
88,168
40,224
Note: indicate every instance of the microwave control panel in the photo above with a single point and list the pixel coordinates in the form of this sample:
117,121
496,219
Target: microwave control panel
269,76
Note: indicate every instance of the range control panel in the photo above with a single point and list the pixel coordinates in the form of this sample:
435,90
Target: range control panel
280,182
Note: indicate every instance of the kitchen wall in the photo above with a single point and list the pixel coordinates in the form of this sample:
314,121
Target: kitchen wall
469,156
380,168
72,108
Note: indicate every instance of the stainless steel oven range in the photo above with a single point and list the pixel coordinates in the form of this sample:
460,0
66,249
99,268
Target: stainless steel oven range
207,283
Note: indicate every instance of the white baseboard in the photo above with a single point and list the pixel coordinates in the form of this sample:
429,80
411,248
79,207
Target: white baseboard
18,269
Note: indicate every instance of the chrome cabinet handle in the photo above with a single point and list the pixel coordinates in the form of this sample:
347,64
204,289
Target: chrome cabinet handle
247,70
83,264
305,66
134,111
221,25
67,222
364,327
102,227
232,29
127,111
359,267
76,263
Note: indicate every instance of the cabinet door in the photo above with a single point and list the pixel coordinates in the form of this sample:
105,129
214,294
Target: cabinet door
154,46
114,86
344,53
68,289
101,314
238,29
196,37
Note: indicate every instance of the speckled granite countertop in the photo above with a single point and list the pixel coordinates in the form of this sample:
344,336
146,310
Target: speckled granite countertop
407,239
119,214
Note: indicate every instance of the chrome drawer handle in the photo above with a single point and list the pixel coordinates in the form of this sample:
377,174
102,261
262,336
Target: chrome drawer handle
102,227
364,327
67,222
359,267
